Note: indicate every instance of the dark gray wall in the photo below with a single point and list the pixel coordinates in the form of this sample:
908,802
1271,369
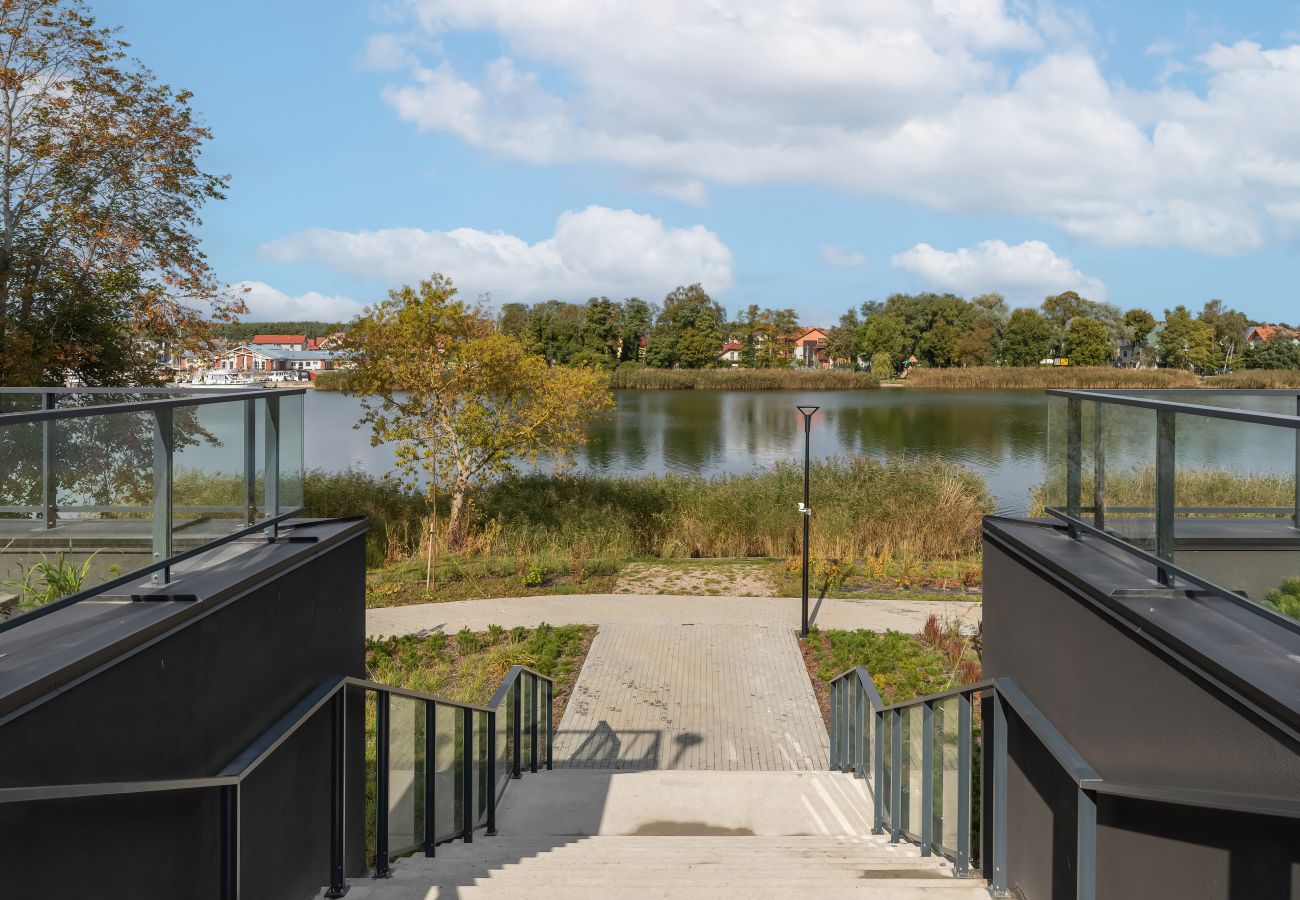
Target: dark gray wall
1136,714
185,706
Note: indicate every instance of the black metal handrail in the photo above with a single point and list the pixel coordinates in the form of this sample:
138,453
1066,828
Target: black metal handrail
333,693
162,511
1165,509
858,746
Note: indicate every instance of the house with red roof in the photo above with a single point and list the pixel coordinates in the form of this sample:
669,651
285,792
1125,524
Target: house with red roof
1258,334
730,353
284,341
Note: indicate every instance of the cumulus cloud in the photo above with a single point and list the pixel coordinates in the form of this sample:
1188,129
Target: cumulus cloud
596,251
1023,273
965,105
837,256
267,304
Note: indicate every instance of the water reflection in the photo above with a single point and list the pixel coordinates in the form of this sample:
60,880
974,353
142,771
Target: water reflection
1001,436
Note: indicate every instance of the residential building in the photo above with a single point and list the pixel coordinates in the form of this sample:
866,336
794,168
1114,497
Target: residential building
730,353
1259,334
284,341
810,348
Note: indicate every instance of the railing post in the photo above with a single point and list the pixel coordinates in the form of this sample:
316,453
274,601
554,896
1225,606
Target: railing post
998,873
49,467
878,766
1086,863
338,748
229,801
962,867
467,775
532,724
860,726
1099,469
850,719
927,778
1073,459
519,732
550,724
271,461
835,725
492,773
1166,463
430,781
250,462
163,454
382,737
896,778
1296,518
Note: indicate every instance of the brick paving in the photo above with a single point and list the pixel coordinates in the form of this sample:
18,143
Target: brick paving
720,697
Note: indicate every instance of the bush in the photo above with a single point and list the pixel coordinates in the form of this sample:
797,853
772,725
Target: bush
882,366
1286,599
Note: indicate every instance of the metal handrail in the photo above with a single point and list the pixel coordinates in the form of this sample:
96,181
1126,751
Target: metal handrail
1192,409
853,748
265,516
332,693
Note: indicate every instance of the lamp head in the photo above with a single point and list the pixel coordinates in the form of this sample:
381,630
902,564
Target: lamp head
807,410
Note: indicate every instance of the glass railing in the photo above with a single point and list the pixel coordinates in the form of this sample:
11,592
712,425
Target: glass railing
99,488
1205,489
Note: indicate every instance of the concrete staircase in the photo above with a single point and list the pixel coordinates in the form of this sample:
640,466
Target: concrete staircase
641,835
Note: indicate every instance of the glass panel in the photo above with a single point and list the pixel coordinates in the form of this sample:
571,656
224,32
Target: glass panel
504,738
482,747
915,769
946,751
291,453
405,773
526,726
1235,502
446,777
887,748
208,500
541,723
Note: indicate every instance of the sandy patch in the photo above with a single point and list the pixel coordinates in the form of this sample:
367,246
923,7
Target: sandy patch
735,579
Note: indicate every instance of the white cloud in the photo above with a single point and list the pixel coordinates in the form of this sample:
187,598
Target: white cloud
267,304
1023,273
965,105
592,252
834,255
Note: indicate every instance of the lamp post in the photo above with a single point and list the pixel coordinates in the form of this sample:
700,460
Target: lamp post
804,509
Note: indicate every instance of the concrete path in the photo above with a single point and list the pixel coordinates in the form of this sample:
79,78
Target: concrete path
693,697
642,609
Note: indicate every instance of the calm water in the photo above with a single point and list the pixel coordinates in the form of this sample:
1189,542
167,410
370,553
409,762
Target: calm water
999,435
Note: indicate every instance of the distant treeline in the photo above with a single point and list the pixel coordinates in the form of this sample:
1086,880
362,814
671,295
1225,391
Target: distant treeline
688,331
242,332
645,378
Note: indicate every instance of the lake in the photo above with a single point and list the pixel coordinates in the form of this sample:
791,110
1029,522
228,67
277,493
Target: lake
1001,435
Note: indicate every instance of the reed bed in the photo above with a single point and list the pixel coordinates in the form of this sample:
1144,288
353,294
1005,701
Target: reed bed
643,378
1257,379
1028,377
864,508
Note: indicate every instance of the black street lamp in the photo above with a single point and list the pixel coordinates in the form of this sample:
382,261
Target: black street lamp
804,509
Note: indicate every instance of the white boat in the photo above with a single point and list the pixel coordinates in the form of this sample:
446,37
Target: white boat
219,379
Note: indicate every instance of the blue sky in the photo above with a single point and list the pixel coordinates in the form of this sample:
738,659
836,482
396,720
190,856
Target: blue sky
787,154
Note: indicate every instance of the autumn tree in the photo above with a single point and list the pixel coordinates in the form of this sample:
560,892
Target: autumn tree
100,194
1229,327
461,402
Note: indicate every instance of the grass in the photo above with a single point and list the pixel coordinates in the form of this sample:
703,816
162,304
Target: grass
333,380
645,378
1025,377
469,666
1195,487
902,666
1285,599
885,576
1256,379
402,582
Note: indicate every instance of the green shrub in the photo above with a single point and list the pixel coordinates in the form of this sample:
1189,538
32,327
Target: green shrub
1286,599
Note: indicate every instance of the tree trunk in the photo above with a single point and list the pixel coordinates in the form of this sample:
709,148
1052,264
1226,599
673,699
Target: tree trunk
456,526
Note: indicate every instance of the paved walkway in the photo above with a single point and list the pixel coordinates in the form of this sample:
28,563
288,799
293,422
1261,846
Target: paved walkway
657,609
693,697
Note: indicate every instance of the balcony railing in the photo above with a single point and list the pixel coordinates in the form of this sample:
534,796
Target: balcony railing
100,488
1203,487
921,757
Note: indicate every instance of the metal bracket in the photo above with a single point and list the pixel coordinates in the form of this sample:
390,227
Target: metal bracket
805,510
